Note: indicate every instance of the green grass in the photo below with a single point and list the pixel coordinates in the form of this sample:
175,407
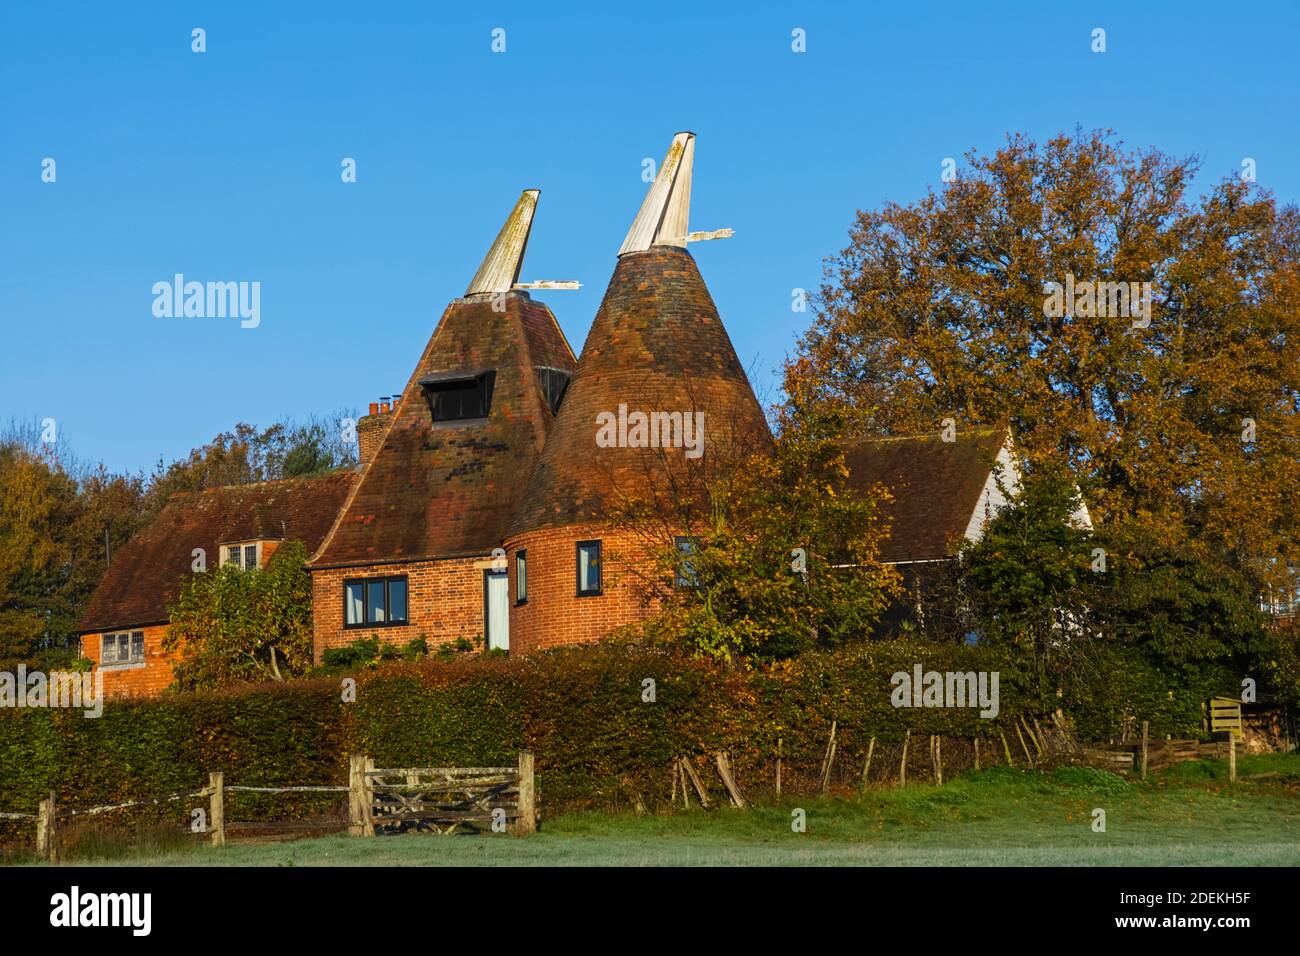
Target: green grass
1186,816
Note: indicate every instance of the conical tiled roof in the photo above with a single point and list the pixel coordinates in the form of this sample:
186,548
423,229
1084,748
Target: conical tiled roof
657,345
444,488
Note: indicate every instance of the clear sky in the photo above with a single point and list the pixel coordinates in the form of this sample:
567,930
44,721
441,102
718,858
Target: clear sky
225,166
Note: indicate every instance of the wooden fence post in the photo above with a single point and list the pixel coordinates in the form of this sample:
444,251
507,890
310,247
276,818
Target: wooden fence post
368,797
1023,745
977,753
217,807
902,764
688,768
47,838
938,760
728,781
829,759
361,821
866,767
1145,726
527,822
1232,757
355,762
778,766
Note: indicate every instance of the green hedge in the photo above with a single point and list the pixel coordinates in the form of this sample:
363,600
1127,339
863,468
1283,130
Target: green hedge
580,709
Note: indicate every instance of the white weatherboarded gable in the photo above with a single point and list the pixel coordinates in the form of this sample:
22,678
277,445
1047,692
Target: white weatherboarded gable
1003,484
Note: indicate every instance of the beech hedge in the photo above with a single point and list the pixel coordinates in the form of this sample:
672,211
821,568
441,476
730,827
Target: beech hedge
601,719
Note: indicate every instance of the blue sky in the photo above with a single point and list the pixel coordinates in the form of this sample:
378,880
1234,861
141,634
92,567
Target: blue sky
225,166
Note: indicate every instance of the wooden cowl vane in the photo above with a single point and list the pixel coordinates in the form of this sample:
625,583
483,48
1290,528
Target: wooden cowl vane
469,425
657,347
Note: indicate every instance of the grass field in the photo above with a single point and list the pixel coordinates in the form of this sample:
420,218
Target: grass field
1187,816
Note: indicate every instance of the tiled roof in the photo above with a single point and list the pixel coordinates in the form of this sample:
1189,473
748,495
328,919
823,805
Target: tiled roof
437,490
935,485
147,574
657,344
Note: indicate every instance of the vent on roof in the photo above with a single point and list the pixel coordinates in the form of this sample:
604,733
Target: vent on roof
459,396
553,382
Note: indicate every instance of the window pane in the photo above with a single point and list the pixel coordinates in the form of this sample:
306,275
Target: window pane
123,647
685,569
137,646
108,649
521,576
353,603
397,599
232,556
250,556
589,567
375,602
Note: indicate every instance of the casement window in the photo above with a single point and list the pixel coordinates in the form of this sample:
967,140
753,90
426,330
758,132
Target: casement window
588,567
124,648
685,574
245,554
375,602
459,397
553,383
521,577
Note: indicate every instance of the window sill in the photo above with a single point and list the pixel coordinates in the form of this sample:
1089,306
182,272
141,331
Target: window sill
583,594
459,422
375,627
131,666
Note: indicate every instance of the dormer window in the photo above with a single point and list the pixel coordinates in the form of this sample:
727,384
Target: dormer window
245,555
553,382
459,396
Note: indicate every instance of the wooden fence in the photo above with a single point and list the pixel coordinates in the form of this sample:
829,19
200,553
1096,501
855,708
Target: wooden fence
432,799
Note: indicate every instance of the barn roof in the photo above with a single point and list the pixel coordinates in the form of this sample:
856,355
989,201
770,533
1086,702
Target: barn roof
147,573
936,486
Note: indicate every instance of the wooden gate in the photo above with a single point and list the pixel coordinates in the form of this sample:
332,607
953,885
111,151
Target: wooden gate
442,799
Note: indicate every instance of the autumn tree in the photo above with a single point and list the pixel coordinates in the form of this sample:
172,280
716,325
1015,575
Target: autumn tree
232,624
1183,420
768,553
37,506
246,453
57,532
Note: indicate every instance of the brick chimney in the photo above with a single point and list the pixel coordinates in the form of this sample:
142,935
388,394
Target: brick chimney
370,429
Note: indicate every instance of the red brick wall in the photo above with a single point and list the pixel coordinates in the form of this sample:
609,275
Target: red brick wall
134,680
554,614
444,602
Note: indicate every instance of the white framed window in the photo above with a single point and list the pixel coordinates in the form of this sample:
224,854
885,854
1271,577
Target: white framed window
125,647
246,555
